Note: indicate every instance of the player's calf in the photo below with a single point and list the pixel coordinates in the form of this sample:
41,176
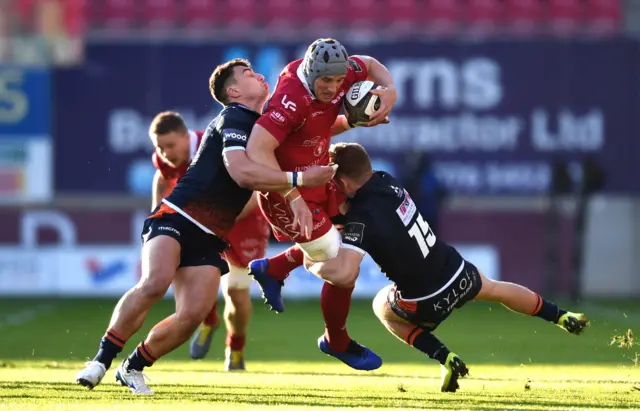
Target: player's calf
237,312
418,335
521,299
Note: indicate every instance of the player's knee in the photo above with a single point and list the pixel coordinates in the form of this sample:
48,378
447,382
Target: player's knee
155,285
191,315
323,248
381,304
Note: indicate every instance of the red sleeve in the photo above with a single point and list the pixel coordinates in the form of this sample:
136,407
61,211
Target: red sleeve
165,169
285,112
359,69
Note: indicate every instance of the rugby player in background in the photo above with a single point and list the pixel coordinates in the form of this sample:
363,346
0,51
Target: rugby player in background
294,134
184,235
430,277
175,146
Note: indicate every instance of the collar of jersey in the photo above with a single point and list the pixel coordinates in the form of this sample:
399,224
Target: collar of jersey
300,74
240,105
369,185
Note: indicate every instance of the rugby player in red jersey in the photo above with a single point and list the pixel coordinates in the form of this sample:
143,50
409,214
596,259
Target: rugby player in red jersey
292,135
185,234
175,146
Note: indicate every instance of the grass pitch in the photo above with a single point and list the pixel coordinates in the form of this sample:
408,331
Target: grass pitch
516,362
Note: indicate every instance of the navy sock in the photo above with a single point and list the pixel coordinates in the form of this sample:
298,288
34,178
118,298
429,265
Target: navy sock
547,310
110,346
141,357
428,343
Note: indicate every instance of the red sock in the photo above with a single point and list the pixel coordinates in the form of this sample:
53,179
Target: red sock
335,303
235,342
282,264
212,318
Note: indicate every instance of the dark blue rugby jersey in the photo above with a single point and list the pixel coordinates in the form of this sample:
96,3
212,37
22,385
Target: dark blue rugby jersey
206,194
384,221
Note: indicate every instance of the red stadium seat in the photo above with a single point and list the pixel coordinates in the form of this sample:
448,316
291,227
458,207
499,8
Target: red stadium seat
282,15
159,14
403,15
363,14
118,14
442,17
75,16
603,16
565,16
242,15
484,16
202,14
322,16
523,16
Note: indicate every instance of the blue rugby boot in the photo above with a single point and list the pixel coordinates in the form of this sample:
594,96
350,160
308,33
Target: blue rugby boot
271,288
356,356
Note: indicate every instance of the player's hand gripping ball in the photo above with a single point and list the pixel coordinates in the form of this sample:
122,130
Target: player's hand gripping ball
359,103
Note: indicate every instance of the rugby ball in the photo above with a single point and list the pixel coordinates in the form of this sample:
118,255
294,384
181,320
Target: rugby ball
359,103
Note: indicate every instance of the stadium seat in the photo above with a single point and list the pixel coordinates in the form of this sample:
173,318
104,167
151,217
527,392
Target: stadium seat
564,17
117,14
75,16
282,16
484,16
441,17
159,14
322,16
202,14
603,16
363,14
523,17
403,15
242,15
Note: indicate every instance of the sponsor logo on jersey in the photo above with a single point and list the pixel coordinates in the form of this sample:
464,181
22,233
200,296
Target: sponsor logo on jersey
353,232
234,134
171,229
355,66
407,209
320,149
317,113
277,117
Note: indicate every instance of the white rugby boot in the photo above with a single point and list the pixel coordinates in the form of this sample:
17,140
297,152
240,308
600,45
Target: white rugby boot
133,379
92,374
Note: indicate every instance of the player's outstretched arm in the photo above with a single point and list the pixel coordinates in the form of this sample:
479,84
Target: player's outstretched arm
340,271
249,174
159,187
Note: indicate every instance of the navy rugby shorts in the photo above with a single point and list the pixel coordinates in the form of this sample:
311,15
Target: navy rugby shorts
197,248
430,311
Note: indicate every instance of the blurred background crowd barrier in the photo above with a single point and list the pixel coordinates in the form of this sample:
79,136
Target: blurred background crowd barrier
516,127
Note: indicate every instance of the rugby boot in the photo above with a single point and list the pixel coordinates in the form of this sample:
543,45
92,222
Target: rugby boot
574,323
356,356
133,379
234,360
452,369
271,288
91,375
201,341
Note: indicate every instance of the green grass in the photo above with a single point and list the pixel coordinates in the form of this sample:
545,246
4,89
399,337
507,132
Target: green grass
43,344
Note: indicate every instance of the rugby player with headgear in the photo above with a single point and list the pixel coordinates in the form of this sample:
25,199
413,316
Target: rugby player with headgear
430,277
185,234
294,134
175,146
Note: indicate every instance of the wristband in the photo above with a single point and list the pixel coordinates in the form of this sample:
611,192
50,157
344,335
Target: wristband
299,181
294,179
290,179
